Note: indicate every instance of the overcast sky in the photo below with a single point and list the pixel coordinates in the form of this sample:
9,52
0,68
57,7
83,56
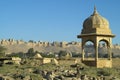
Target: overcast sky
53,20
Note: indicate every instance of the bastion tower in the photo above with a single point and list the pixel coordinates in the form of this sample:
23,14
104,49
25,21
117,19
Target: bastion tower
95,29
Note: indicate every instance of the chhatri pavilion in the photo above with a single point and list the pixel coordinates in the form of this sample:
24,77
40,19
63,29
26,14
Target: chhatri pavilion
95,29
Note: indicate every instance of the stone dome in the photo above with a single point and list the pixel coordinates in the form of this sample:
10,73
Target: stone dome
95,21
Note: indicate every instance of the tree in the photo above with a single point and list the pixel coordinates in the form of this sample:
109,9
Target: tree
2,51
31,41
30,52
62,54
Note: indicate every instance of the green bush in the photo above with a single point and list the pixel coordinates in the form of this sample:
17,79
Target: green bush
2,51
105,71
19,54
47,55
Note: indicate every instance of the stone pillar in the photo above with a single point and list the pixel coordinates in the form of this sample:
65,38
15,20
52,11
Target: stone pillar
83,53
96,50
109,50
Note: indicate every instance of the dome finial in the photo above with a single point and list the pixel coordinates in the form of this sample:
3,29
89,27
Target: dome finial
95,10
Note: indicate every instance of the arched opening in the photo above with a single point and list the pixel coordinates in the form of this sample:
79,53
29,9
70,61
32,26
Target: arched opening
89,49
103,49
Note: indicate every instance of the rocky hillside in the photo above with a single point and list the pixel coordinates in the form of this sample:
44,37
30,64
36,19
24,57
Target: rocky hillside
14,46
24,48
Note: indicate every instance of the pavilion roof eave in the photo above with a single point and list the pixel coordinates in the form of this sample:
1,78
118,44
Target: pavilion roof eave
94,34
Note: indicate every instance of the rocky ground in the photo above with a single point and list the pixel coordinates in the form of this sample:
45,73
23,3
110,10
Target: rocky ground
66,70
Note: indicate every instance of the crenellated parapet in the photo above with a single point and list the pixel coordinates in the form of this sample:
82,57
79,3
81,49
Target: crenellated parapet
11,42
31,43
